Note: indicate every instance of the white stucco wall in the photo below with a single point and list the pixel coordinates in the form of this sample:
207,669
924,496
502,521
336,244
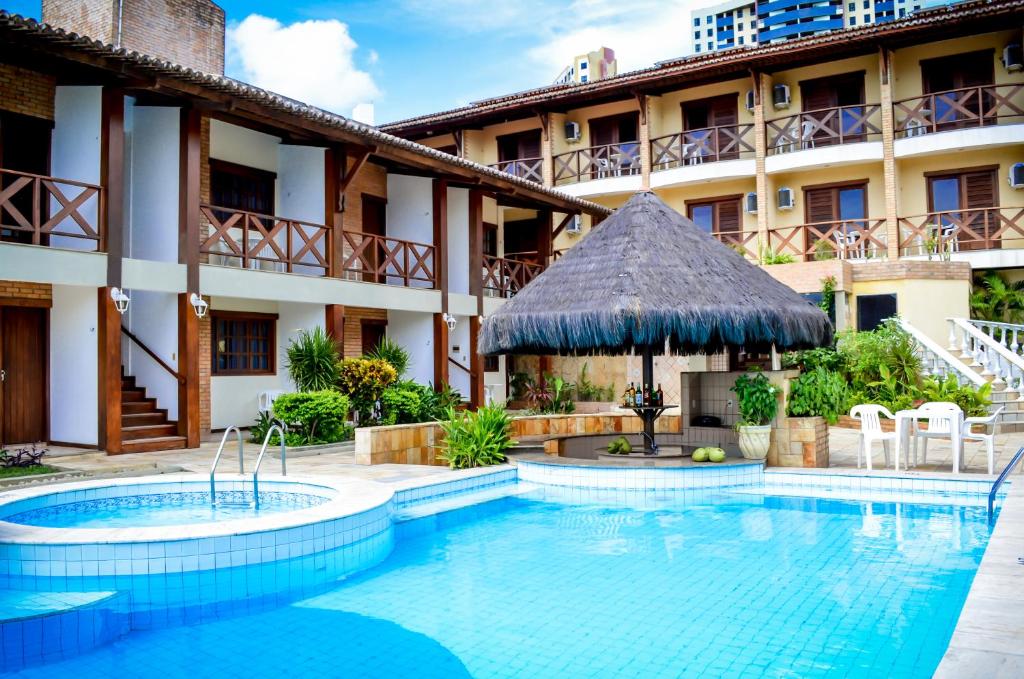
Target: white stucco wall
74,412
459,337
152,174
75,154
300,190
415,332
153,318
458,240
243,146
410,214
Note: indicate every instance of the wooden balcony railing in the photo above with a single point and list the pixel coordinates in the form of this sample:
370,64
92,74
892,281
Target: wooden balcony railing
381,259
725,142
598,162
505,277
744,242
825,127
956,109
527,168
36,209
943,233
842,239
255,241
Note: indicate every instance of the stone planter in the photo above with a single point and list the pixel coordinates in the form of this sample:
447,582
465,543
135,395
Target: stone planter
754,441
801,442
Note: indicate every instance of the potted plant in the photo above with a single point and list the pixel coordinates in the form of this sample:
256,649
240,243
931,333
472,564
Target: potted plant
757,401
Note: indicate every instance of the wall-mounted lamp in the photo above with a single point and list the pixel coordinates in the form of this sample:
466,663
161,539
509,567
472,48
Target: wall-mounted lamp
449,320
198,304
120,300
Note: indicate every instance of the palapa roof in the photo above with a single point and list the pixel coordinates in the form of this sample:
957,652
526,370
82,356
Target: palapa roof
647,275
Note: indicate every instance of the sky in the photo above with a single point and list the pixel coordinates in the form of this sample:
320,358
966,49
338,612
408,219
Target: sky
410,57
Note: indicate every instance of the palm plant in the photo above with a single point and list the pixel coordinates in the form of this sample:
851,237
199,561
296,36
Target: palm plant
391,352
313,360
996,299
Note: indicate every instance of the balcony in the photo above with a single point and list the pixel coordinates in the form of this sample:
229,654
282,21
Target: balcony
50,211
943,234
525,168
612,168
746,243
841,239
973,117
811,138
264,242
709,145
379,259
504,277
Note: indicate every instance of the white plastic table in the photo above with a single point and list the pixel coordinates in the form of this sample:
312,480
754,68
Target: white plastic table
904,419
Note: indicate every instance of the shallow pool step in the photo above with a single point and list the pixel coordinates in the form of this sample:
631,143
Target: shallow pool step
435,515
39,627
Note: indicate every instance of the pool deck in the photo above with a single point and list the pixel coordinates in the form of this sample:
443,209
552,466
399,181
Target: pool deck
987,639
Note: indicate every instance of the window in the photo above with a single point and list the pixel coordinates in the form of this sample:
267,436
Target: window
719,216
867,18
903,12
709,33
710,46
696,35
583,78
739,27
708,20
696,21
491,364
243,343
867,4
873,309
853,21
696,48
961,199
853,7
583,65
741,39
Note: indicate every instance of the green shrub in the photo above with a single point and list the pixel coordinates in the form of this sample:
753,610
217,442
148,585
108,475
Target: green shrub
974,402
475,439
393,353
995,299
314,416
364,380
313,360
755,396
588,391
437,403
822,357
866,353
818,393
403,403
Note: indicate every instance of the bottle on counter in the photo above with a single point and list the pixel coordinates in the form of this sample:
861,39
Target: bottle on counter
625,395
631,400
659,398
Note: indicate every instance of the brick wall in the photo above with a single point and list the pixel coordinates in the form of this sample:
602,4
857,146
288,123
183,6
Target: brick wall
906,269
205,363
20,290
187,32
26,92
805,277
353,327
372,179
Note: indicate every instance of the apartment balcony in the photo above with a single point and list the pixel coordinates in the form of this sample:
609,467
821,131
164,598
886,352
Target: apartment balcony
596,170
987,237
746,243
525,168
957,120
828,137
50,211
504,277
842,239
722,152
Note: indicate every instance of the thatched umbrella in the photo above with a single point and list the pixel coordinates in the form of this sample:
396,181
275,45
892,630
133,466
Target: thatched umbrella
646,276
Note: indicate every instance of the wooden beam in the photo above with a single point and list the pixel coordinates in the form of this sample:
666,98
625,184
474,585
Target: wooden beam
543,117
476,248
360,155
112,179
439,209
458,135
188,367
641,101
561,225
544,236
108,376
476,365
334,208
440,353
335,325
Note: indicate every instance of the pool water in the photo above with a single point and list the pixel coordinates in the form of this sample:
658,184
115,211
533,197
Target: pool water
735,584
162,509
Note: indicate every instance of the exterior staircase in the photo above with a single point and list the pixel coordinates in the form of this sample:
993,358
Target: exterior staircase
992,351
144,427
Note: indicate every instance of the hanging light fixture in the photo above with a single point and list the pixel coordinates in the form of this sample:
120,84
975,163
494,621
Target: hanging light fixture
199,304
449,320
121,300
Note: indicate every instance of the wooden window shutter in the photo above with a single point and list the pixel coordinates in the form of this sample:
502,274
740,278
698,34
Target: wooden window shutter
821,205
728,219
979,189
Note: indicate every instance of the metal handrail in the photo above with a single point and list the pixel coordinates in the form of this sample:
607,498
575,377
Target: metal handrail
281,428
216,459
999,481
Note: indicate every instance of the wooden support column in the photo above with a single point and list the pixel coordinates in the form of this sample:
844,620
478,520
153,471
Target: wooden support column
108,336
112,179
335,325
476,365
547,148
476,288
892,225
188,254
334,207
440,224
759,82
545,236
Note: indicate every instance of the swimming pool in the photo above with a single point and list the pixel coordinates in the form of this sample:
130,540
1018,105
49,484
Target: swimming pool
554,581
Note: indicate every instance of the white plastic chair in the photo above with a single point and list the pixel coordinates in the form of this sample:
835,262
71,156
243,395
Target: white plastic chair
940,416
847,243
265,399
988,437
871,431
807,134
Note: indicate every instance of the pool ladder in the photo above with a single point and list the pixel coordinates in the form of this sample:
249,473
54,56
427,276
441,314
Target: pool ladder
282,429
999,481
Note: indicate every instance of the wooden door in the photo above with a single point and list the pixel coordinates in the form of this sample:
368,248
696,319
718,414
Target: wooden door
721,217
948,79
23,359
374,223
832,109
372,332
715,112
24,147
614,148
839,216
961,199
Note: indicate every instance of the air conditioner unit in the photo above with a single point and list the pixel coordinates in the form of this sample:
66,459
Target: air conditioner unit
750,100
787,201
575,226
751,203
1017,176
1013,57
780,96
572,131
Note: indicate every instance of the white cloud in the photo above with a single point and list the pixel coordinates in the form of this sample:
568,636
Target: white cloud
312,61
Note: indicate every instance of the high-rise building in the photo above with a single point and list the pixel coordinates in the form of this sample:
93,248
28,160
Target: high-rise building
589,67
731,24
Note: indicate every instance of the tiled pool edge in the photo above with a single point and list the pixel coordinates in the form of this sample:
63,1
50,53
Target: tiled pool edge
987,639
